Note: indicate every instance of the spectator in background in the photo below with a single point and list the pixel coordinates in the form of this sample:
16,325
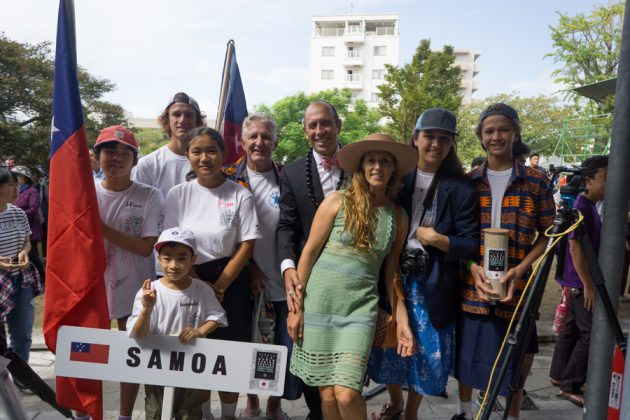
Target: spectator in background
534,158
97,172
41,183
570,357
28,200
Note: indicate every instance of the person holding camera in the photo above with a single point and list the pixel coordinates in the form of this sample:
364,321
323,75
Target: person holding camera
570,357
444,229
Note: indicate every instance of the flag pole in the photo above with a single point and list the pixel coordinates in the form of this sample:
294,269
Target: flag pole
224,84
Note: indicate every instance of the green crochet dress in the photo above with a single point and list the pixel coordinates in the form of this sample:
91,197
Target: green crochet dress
340,306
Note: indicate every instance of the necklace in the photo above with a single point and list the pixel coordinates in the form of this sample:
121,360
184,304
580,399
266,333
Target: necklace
309,179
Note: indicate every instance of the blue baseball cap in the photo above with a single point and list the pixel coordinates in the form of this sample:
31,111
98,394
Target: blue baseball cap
437,119
500,109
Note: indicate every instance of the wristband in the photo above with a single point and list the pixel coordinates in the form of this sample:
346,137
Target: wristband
469,264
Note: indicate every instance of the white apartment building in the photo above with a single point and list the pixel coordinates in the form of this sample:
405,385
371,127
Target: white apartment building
467,61
350,51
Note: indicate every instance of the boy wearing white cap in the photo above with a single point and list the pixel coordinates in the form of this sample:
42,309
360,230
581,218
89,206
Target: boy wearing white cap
175,304
131,217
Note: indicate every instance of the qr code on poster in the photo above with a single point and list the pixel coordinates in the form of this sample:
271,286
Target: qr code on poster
265,370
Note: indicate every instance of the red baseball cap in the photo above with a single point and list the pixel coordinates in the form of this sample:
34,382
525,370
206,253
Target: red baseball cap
117,133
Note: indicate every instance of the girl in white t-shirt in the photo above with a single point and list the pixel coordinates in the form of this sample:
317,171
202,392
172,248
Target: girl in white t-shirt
131,217
222,216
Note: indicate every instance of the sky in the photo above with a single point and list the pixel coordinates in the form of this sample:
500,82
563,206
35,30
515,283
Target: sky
153,48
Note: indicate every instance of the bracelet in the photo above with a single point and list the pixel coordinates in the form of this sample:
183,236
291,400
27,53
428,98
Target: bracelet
469,264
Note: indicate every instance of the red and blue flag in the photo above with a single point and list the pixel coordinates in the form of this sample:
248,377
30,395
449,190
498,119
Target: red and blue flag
89,352
75,291
234,113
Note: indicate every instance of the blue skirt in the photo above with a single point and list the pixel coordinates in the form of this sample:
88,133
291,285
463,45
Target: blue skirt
427,371
478,342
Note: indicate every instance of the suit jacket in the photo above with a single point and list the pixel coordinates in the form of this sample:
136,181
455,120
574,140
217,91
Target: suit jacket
296,209
457,217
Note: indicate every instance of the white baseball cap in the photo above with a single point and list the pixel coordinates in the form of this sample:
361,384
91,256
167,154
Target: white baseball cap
178,235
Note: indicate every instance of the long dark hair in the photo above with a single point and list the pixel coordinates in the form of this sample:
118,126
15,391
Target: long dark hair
451,165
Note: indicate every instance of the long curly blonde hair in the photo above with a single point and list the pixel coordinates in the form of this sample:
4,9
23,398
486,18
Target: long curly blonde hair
360,208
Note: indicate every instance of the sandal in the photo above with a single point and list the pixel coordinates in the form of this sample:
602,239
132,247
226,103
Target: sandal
388,412
576,399
554,382
277,416
251,413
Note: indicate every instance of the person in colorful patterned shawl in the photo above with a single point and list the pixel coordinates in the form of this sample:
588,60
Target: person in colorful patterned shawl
518,199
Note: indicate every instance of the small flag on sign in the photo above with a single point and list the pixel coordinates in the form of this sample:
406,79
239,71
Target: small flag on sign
88,352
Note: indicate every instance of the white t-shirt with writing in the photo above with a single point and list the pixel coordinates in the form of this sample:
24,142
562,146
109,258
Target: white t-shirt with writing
14,230
266,192
161,169
220,217
423,182
138,212
176,309
498,181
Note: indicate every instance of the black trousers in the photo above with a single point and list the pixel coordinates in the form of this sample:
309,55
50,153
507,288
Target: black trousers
570,357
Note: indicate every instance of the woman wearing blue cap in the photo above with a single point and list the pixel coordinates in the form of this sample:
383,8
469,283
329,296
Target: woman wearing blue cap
518,199
444,229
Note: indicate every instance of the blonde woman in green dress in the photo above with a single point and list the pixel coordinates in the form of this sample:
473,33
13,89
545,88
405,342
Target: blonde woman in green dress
353,233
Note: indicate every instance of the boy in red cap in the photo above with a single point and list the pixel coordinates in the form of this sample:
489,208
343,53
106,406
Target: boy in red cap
131,215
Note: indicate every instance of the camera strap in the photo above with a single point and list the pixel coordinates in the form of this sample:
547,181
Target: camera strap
428,199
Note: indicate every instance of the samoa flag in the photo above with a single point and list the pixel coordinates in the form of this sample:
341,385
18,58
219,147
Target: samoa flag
75,290
234,113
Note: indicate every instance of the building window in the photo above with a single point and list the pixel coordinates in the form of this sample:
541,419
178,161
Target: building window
328,51
378,74
353,76
375,97
380,50
328,74
352,53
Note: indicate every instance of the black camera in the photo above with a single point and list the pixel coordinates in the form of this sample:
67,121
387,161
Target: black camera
414,261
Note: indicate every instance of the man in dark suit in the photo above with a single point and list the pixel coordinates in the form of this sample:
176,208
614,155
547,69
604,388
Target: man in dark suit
303,186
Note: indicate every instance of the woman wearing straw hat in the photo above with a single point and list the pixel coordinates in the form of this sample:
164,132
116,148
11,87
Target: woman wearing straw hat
357,230
444,229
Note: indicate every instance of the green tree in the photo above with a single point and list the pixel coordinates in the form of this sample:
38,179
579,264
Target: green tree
26,87
588,48
431,80
542,118
357,120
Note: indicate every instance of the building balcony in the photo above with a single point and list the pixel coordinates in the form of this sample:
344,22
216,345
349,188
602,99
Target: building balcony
476,69
353,59
353,81
353,36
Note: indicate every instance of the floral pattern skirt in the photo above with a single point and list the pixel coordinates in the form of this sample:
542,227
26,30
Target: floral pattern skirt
427,371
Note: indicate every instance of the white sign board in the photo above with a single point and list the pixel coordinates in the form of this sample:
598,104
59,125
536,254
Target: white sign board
163,360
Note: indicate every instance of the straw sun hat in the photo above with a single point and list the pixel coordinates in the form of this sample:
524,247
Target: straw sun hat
350,156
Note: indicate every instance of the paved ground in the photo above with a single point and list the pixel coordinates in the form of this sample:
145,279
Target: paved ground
539,389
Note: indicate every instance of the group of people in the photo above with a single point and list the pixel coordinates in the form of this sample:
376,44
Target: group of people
326,242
